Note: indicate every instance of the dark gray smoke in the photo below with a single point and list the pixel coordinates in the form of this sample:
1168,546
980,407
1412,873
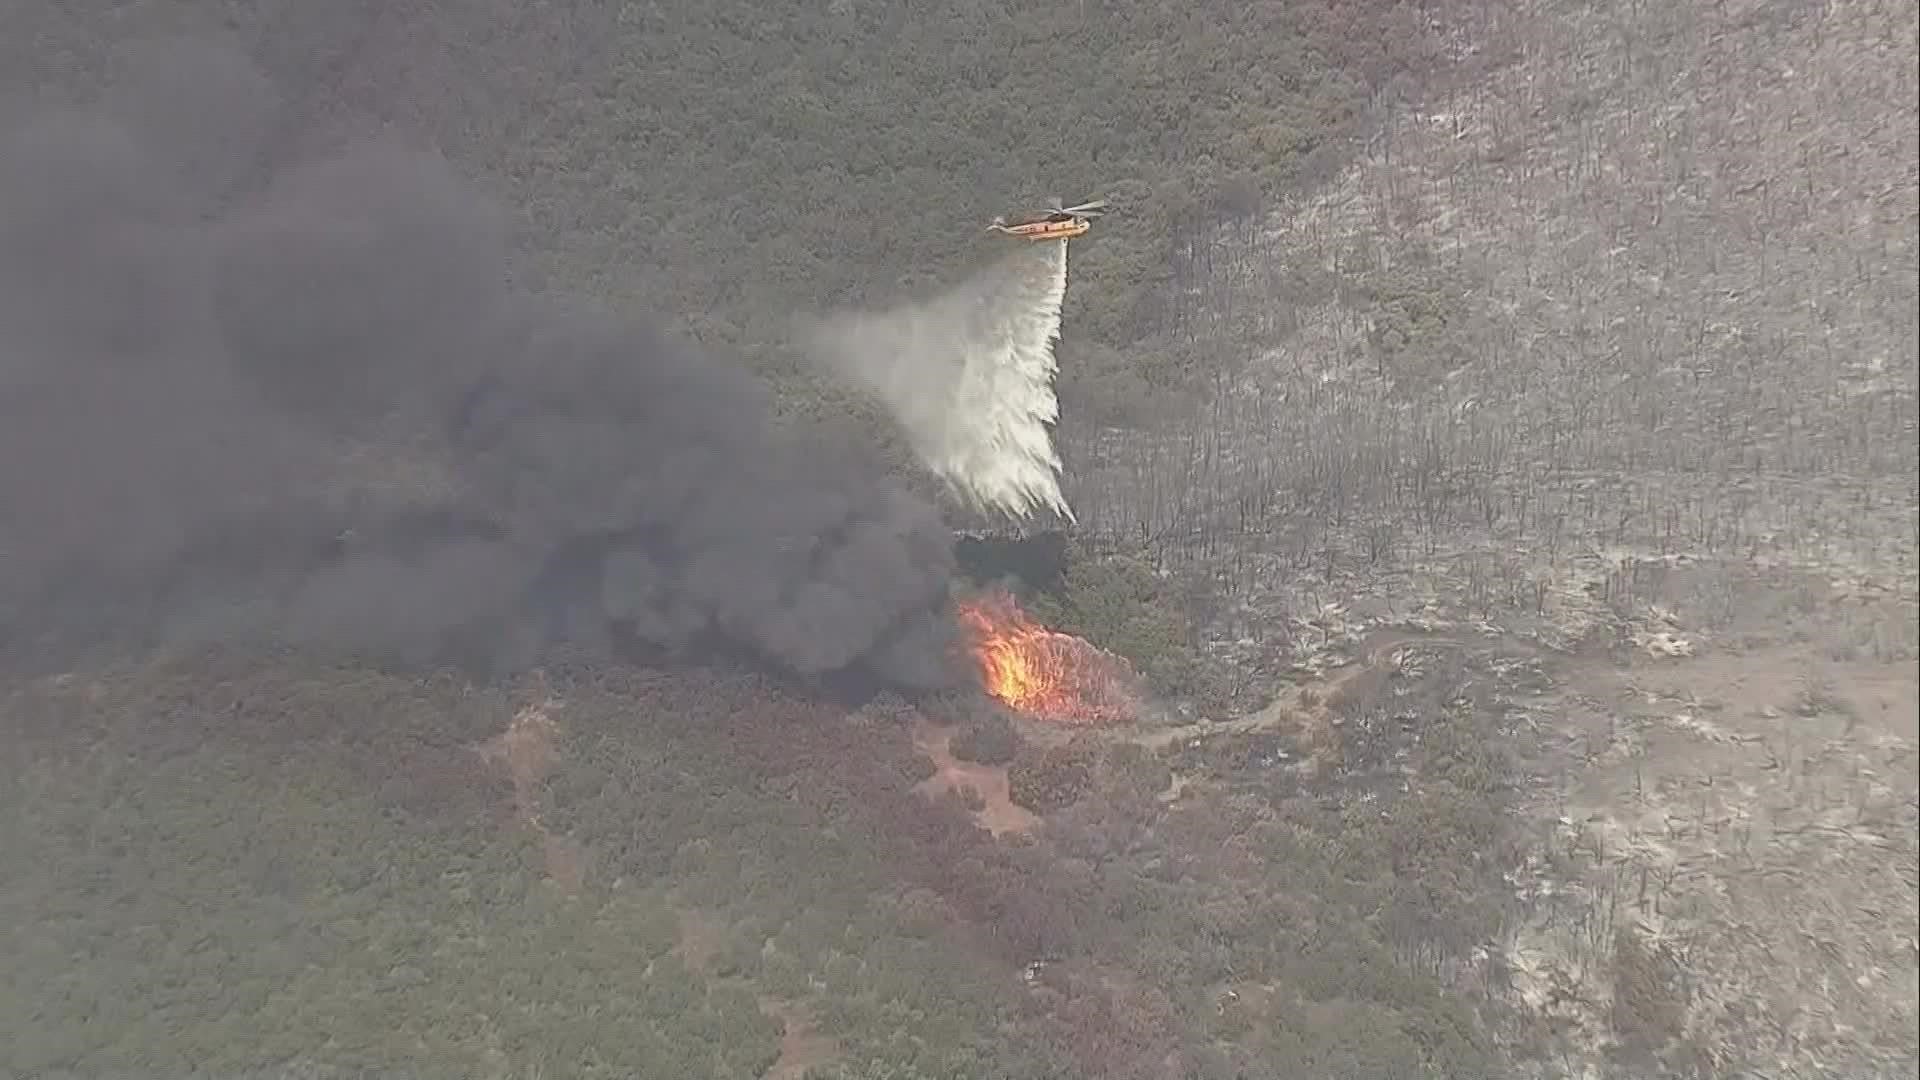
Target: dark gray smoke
311,408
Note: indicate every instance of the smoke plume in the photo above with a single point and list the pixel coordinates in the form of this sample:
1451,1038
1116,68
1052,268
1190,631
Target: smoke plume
969,375
307,405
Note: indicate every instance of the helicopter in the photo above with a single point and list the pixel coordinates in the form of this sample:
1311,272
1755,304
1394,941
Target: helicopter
1056,223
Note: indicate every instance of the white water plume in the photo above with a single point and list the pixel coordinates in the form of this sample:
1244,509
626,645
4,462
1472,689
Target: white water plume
969,375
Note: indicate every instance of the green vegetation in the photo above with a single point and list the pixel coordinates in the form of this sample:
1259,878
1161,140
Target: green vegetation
357,898
1616,329
1050,778
248,864
221,864
1121,603
1304,935
747,160
990,740
732,163
216,908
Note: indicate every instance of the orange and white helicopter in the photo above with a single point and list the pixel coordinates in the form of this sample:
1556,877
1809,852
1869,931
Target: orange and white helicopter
1058,223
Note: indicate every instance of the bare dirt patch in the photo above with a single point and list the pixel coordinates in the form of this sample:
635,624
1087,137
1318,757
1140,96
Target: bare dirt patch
525,752
701,937
998,813
802,1047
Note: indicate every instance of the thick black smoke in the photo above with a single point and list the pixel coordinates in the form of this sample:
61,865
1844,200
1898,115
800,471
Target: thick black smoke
310,407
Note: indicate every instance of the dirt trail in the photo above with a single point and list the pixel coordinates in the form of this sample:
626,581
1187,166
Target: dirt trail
1307,707
802,1045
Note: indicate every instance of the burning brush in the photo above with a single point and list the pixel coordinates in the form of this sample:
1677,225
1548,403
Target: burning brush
1043,673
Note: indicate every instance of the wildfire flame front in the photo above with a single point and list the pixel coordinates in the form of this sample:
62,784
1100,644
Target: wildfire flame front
1041,672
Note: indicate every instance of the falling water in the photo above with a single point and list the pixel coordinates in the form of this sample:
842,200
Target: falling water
969,375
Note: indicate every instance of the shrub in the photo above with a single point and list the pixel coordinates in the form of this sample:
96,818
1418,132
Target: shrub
1051,778
918,767
1122,605
990,740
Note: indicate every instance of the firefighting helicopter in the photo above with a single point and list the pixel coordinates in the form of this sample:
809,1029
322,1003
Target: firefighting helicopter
1057,223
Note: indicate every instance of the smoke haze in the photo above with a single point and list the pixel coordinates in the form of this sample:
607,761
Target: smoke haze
969,375
309,406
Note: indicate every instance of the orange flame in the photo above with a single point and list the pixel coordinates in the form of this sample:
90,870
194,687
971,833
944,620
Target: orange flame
1041,672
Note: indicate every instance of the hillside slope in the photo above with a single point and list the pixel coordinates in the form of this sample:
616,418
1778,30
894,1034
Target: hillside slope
730,164
1615,349
1548,526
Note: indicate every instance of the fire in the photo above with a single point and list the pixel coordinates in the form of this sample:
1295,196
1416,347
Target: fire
1042,672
